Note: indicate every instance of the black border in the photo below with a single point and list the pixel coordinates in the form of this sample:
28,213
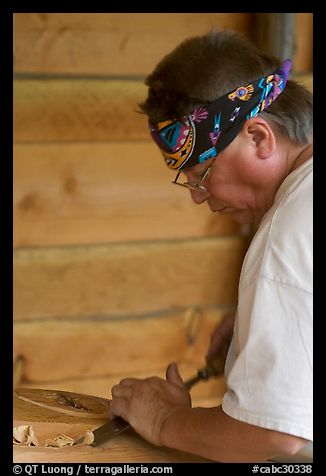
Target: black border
6,191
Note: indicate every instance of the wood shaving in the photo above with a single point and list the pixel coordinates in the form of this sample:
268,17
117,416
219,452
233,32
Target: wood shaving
60,441
24,435
88,438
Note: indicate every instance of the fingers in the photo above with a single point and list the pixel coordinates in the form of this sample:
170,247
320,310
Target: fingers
173,375
227,325
128,381
120,391
118,408
123,389
120,395
221,337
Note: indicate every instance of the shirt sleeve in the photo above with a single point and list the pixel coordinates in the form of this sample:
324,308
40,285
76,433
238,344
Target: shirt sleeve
269,365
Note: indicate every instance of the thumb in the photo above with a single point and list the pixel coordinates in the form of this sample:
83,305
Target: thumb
173,375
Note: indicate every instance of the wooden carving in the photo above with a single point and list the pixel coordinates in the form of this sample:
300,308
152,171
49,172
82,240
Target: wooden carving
56,418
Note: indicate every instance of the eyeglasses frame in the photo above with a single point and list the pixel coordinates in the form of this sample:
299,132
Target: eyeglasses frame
197,187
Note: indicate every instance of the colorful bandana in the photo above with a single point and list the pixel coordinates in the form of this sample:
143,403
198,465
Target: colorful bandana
208,130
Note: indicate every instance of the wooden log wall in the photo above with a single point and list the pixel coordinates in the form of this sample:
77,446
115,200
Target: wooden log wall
116,271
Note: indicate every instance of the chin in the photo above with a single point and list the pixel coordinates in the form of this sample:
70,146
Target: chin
243,217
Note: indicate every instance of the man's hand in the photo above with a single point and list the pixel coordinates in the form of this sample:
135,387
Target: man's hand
221,337
146,403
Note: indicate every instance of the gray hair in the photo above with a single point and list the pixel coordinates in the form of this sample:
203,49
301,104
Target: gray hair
203,68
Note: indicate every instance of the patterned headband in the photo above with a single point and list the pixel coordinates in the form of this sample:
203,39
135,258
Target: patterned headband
208,130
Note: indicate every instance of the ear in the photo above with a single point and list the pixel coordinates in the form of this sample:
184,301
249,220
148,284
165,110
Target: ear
261,135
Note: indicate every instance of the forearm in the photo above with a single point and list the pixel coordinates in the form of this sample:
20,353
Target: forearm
210,433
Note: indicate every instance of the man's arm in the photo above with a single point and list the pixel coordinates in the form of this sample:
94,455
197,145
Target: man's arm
160,411
211,433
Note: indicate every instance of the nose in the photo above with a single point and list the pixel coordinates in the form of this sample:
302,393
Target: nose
199,197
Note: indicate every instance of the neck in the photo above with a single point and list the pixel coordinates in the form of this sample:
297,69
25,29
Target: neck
294,159
304,154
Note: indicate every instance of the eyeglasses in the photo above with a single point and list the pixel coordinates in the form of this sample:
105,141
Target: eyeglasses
197,187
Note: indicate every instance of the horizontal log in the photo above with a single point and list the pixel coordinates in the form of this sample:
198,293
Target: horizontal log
107,348
82,110
108,43
125,278
103,192
89,348
79,110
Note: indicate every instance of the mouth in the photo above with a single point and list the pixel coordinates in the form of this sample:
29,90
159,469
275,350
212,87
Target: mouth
220,210
226,210
218,207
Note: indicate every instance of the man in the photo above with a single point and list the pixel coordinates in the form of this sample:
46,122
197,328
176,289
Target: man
226,116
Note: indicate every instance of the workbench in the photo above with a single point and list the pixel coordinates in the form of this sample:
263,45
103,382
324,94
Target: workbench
125,448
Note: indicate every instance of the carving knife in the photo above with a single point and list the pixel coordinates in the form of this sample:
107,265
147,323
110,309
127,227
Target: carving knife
118,425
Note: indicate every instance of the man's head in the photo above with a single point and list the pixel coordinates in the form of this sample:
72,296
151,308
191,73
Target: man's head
209,129
203,71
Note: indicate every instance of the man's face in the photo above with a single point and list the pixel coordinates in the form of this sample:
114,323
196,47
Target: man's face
231,184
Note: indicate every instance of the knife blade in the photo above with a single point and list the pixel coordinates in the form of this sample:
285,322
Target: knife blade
117,425
107,431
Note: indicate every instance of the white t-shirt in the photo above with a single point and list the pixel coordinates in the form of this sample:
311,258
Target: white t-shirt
269,365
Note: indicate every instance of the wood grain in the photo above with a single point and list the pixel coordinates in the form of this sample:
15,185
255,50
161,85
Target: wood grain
103,192
77,110
108,43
